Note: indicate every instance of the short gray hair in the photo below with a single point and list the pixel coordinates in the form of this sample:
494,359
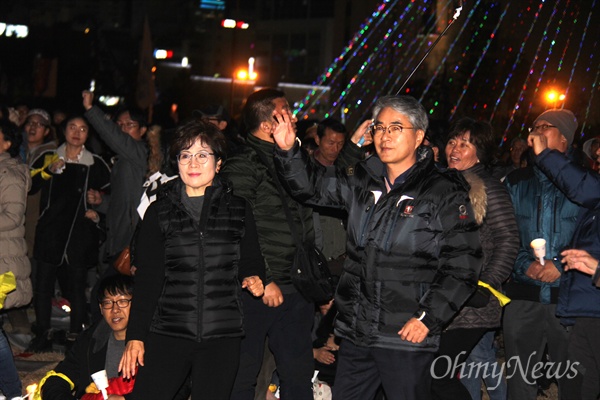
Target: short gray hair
405,105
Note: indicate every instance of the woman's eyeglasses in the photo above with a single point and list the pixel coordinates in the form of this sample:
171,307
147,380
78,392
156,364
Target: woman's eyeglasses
186,158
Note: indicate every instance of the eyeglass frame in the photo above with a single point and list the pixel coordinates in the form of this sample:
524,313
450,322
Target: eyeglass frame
128,125
194,156
543,128
36,124
386,129
104,304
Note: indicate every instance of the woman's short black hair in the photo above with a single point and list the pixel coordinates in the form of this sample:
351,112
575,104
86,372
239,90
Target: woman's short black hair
115,285
209,135
11,134
481,135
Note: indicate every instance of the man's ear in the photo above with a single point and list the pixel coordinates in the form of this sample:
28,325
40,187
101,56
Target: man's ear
317,140
222,125
420,137
143,131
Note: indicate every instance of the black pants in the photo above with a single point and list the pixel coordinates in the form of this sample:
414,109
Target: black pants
455,347
404,375
73,280
289,330
168,361
584,348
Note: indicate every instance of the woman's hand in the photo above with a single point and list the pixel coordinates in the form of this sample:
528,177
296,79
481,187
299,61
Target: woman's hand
580,260
132,356
94,197
93,215
323,355
254,285
57,166
284,133
273,296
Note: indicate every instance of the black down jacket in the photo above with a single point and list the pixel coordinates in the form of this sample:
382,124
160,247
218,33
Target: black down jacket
188,274
411,250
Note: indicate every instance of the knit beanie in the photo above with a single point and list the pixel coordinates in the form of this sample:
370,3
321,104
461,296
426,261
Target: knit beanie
563,119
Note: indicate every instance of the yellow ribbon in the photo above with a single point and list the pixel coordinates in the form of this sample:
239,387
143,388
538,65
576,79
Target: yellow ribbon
8,283
48,159
37,395
501,297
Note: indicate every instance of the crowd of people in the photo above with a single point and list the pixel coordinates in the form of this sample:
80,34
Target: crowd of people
425,227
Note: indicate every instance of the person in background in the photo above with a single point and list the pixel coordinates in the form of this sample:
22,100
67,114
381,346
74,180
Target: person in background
98,348
579,299
413,250
590,149
543,211
196,250
125,137
14,185
282,315
67,236
330,230
218,116
470,149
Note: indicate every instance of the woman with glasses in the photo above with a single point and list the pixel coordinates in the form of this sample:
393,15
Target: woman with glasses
67,236
98,348
196,250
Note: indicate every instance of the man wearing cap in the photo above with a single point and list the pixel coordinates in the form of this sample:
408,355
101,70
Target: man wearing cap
218,116
543,211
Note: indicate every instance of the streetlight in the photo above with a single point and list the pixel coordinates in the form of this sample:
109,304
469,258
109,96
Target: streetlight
553,96
244,76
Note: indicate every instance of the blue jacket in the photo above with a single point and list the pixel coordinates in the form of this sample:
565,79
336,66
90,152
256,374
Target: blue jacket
578,297
542,211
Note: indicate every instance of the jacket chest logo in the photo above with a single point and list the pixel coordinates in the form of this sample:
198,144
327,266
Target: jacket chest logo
408,208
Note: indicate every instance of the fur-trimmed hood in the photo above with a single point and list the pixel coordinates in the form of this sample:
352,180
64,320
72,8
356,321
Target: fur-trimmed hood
477,194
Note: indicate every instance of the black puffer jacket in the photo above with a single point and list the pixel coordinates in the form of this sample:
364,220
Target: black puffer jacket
188,275
252,181
411,250
87,356
500,244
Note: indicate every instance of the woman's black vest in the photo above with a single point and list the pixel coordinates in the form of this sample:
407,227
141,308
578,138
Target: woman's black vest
201,291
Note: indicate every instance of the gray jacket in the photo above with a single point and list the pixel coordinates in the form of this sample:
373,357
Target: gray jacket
126,180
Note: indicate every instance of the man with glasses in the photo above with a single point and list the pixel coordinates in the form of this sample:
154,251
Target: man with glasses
413,251
125,138
543,211
99,347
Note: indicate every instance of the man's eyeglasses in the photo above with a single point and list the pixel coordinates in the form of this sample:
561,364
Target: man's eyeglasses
186,158
128,125
541,128
393,129
121,303
35,124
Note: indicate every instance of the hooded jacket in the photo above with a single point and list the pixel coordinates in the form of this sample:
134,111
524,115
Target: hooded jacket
499,241
414,251
14,184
